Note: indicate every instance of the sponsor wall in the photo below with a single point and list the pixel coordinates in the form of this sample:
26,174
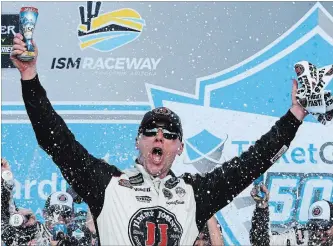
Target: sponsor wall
105,64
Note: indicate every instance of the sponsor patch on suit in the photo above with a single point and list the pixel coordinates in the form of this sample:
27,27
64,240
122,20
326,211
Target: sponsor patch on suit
180,191
136,180
172,182
167,193
146,199
125,183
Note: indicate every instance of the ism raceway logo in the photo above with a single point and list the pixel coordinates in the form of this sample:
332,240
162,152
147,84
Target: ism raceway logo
234,107
105,33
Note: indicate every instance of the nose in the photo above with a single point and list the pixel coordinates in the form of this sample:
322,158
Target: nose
159,135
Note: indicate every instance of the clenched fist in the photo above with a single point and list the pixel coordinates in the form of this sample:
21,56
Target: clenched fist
26,68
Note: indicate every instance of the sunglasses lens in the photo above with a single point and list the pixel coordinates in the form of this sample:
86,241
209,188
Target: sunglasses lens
150,132
154,131
170,136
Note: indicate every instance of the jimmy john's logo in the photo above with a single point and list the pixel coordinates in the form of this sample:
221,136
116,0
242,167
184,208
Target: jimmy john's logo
317,211
154,226
299,69
62,198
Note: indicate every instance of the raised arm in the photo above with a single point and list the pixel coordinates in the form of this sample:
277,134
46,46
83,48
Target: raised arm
88,175
216,189
259,233
215,232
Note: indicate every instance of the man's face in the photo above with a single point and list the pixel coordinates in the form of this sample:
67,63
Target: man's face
322,237
158,150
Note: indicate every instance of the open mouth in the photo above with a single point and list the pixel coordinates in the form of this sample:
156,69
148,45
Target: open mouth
157,154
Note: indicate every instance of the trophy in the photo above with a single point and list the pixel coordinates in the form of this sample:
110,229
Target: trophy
28,17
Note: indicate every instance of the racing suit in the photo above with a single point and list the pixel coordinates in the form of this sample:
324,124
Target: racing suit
132,208
260,234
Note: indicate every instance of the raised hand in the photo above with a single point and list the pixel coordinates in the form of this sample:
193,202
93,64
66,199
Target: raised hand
26,68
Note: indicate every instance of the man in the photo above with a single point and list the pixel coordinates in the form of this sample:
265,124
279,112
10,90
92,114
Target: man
318,231
148,204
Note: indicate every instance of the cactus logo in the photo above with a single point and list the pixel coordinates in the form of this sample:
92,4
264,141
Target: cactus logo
108,31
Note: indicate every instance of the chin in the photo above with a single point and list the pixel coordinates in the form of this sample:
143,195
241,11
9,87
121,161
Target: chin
154,169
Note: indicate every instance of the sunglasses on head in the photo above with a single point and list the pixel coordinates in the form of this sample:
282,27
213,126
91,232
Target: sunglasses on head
166,134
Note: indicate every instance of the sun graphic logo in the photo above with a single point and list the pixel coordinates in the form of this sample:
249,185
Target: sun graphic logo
108,31
204,151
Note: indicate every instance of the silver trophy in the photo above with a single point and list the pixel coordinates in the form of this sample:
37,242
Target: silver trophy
28,18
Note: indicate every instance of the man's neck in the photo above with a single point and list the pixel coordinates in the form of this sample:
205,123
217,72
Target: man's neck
161,176
139,161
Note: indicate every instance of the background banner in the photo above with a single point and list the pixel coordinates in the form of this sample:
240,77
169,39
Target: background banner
225,67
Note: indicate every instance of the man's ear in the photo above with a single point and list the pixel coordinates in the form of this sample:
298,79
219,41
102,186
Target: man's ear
136,143
181,148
